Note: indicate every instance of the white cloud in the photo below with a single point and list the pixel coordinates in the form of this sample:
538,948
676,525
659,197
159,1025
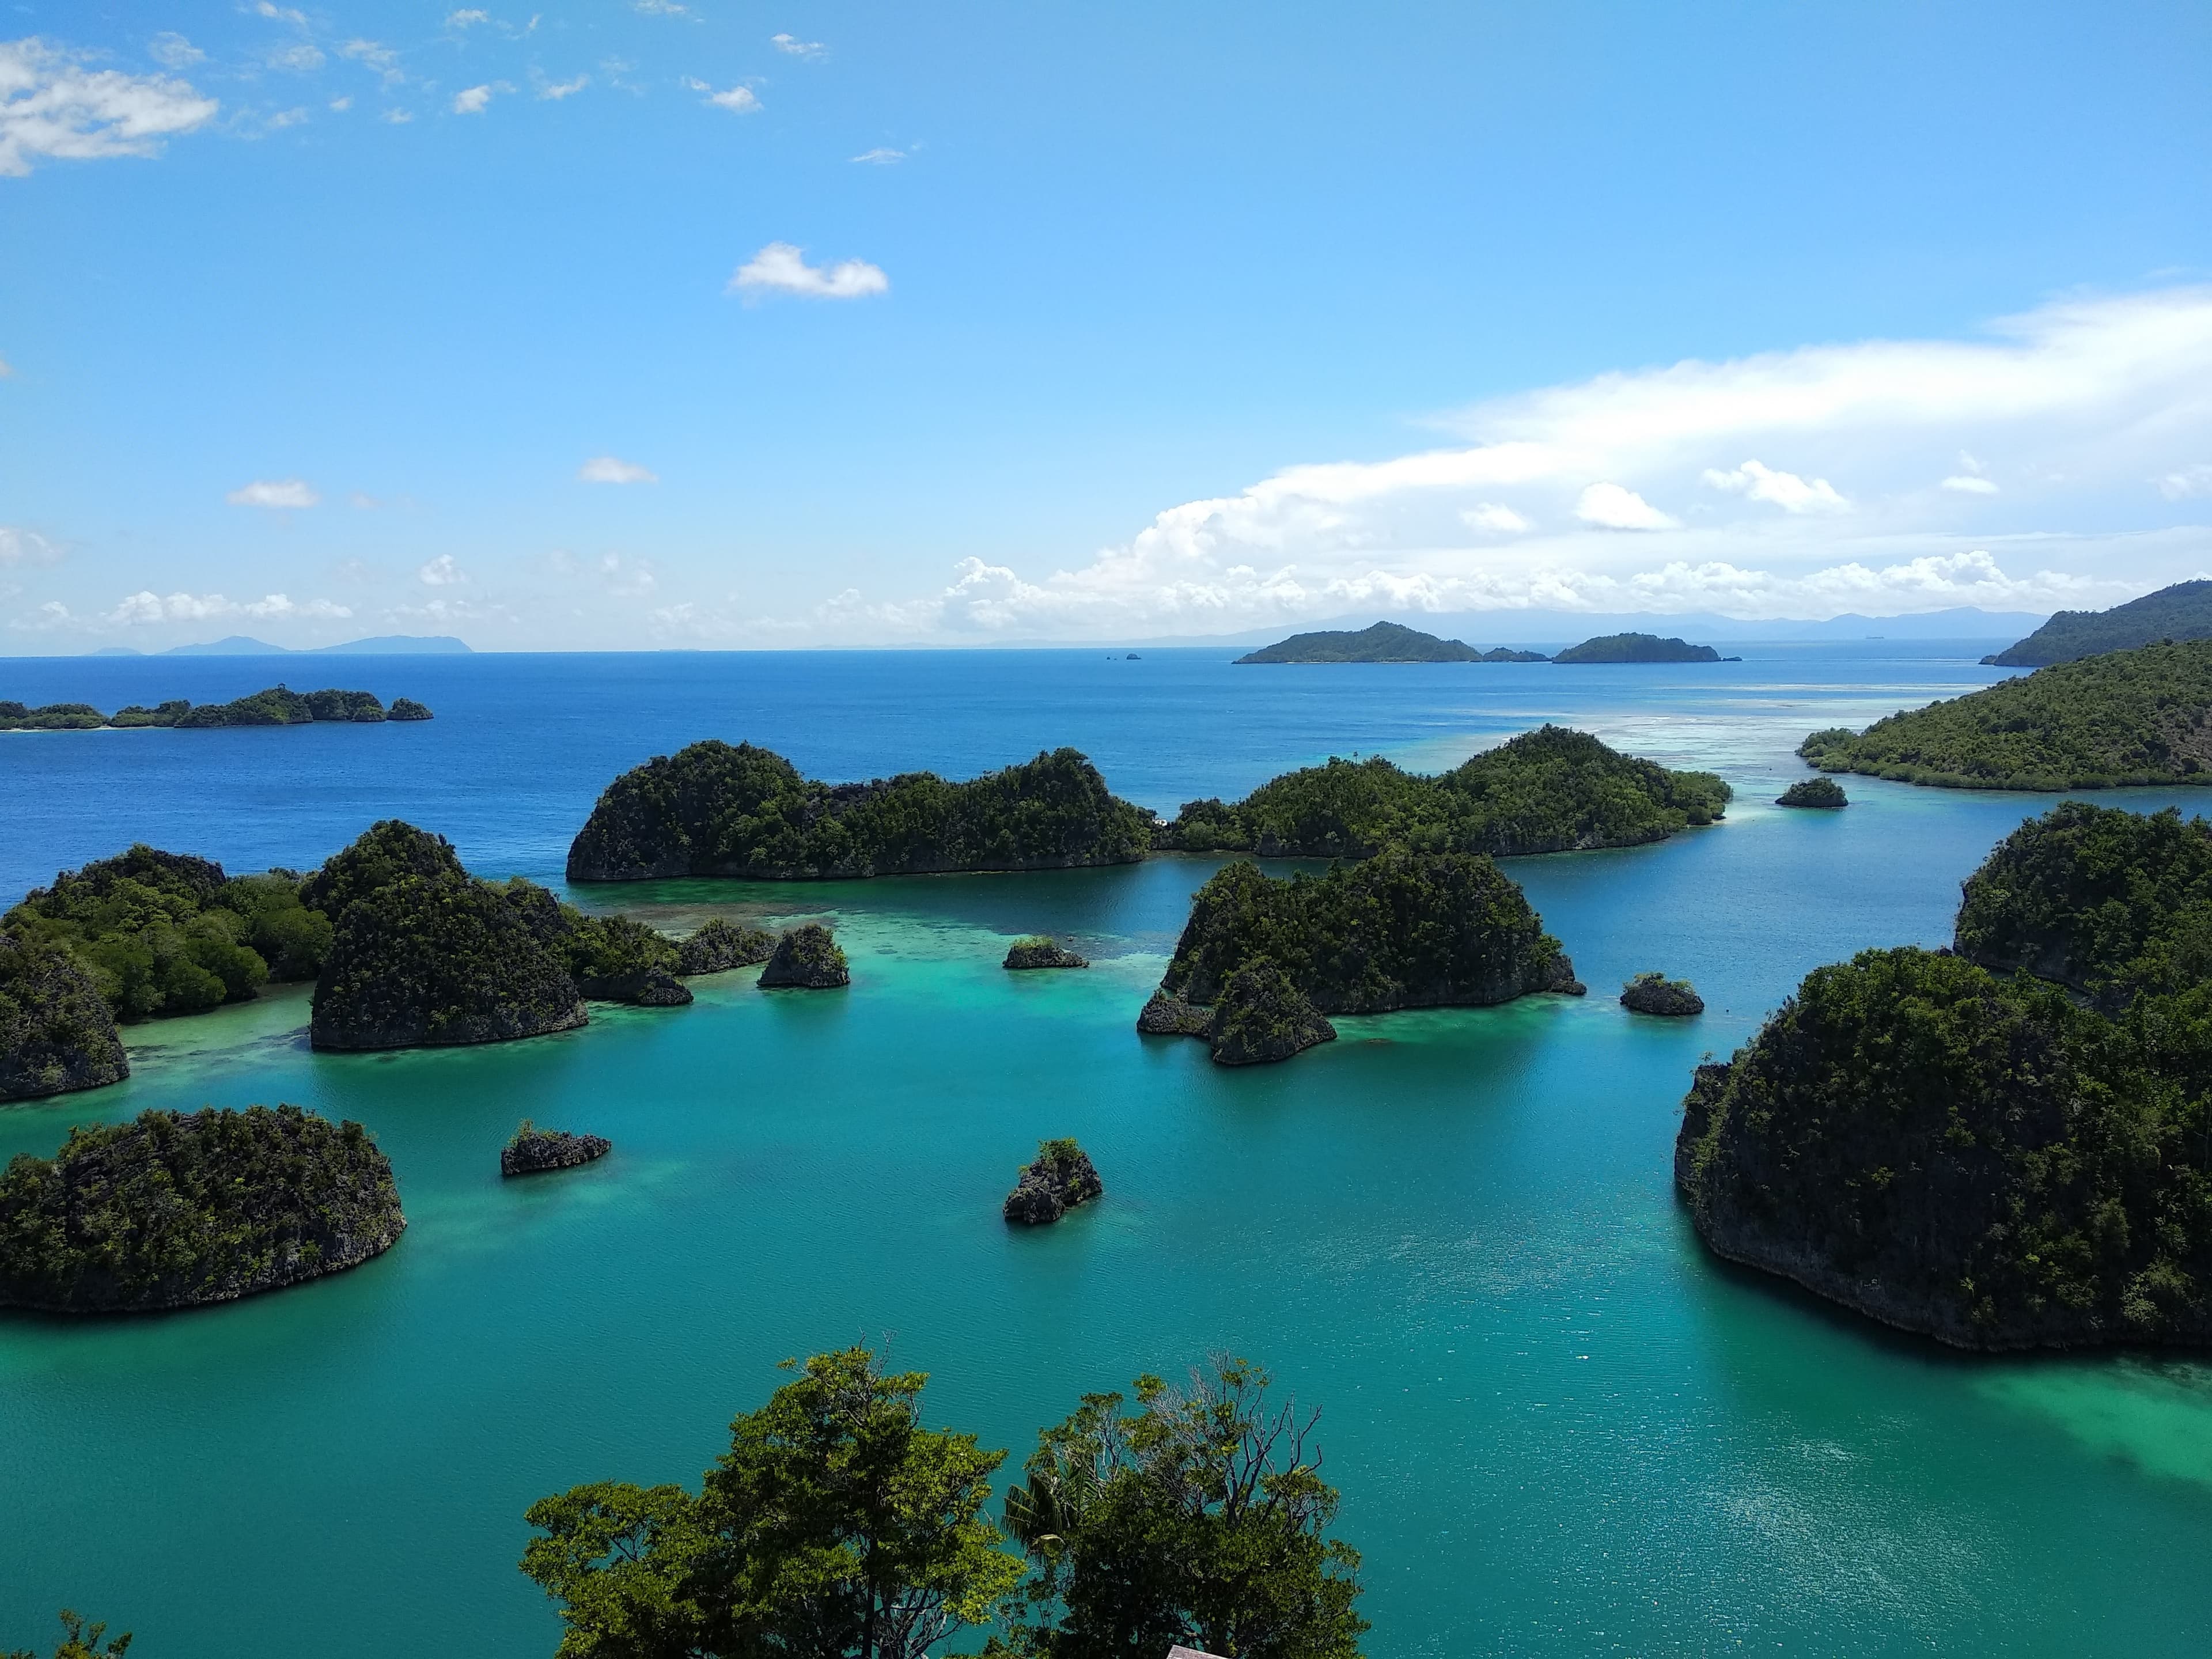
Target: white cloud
2089,397
342,105
172,51
1966,484
2188,481
739,100
881,156
282,14
442,572
1615,506
607,469
661,9
398,118
52,105
301,59
1498,520
376,56
471,100
461,19
20,546
797,47
146,607
557,90
625,579
289,118
781,267
1784,490
279,493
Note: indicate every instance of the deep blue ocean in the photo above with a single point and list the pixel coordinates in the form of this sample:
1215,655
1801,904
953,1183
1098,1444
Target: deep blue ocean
1558,1426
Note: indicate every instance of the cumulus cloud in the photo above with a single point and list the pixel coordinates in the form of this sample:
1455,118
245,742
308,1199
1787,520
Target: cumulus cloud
281,14
797,47
467,18
19,546
557,90
2089,397
1785,490
781,267
275,493
299,58
472,101
1498,520
1968,484
146,607
442,572
376,56
739,100
1615,506
289,118
172,51
662,9
608,469
52,107
880,156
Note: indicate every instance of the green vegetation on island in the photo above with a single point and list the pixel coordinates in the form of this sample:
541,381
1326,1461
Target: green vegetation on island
1655,994
79,1641
176,1211
1400,930
715,810
1040,950
1062,1177
426,955
839,1526
1260,1017
1383,642
720,945
2183,611
167,933
1823,794
2130,717
1547,791
806,958
57,1032
1966,1151
533,1151
1636,648
276,706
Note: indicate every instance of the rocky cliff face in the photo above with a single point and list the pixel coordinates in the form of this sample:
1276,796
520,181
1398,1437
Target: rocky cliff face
178,1211
57,1032
1262,1016
1062,1178
1166,1016
806,958
1027,953
1655,994
1975,1159
539,1152
720,945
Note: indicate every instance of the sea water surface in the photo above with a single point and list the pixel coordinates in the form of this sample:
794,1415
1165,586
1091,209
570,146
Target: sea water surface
1558,1426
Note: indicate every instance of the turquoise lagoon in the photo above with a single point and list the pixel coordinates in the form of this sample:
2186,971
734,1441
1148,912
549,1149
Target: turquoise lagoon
1558,1426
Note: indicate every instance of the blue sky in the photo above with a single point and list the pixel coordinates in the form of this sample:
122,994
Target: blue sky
1089,323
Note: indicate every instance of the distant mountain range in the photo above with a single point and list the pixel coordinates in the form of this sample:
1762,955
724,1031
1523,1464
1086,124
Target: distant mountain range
1556,628
2183,611
239,645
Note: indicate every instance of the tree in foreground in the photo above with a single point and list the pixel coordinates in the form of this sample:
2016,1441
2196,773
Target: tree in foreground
837,1526
1198,1519
79,1640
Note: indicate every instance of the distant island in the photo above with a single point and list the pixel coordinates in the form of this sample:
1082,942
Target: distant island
1951,1142
1636,648
1547,791
181,1210
2126,718
277,705
1385,642
2183,611
242,645
713,809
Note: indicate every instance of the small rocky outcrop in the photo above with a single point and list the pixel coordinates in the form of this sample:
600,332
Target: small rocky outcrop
806,958
57,1032
406,708
1823,793
1170,1015
720,945
535,1151
1040,951
641,987
1655,994
179,1209
1262,1018
1062,1178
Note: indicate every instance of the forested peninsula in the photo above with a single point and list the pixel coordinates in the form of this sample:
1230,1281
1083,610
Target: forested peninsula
2183,611
1547,791
1385,642
2002,1147
275,706
2127,717
713,809
176,1211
